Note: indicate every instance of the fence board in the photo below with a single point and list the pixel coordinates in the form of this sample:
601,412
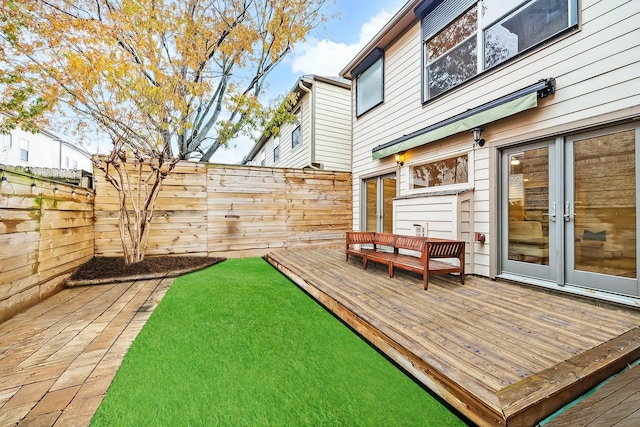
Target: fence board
48,227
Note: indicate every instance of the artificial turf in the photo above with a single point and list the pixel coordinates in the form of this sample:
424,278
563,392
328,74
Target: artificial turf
238,344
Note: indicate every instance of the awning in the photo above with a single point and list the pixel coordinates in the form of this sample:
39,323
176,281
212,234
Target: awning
497,109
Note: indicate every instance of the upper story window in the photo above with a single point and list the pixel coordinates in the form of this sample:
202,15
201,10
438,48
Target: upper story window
296,137
276,150
369,75
24,150
451,171
263,158
6,140
469,37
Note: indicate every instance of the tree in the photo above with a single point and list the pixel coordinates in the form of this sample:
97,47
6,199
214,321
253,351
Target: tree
164,79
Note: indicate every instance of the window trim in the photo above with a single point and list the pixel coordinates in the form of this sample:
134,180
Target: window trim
372,59
572,26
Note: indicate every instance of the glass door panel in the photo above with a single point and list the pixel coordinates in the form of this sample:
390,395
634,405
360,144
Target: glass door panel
600,212
529,211
388,194
371,205
378,198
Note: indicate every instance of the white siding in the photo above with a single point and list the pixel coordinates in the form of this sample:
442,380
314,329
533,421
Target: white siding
597,72
299,156
44,152
332,126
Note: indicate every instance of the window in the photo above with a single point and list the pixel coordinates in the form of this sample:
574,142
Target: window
75,165
369,82
276,150
6,140
66,161
452,54
454,170
24,150
263,160
296,137
526,27
485,35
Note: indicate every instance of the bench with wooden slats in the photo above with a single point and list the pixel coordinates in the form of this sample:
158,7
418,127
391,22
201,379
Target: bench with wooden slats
420,254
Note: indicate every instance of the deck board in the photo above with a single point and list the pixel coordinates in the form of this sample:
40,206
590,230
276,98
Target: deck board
499,352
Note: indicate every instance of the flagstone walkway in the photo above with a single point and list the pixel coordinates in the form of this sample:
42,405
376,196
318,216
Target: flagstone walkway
58,358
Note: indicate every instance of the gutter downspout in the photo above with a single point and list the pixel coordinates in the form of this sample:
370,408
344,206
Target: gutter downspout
312,121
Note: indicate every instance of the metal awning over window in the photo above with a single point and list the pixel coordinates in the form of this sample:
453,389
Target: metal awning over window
497,109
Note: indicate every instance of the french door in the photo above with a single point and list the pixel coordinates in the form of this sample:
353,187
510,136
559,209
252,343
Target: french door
569,211
377,202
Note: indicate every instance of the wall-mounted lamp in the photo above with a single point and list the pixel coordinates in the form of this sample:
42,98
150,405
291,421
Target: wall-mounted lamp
400,158
515,161
477,136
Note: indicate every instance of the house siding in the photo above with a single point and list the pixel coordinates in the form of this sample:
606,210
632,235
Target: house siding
325,122
597,83
332,127
44,152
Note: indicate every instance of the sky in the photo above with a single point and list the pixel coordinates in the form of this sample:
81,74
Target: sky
327,50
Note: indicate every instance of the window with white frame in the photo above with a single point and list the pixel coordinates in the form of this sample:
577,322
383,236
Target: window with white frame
7,140
263,158
276,150
24,150
75,165
450,171
296,137
369,75
66,161
472,36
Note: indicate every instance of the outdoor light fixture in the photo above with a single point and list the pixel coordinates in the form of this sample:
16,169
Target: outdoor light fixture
400,158
515,161
477,136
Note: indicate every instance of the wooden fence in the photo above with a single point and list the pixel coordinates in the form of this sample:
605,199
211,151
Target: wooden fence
234,211
48,229
46,232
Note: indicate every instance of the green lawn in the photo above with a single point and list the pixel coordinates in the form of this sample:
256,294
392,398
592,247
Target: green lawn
238,344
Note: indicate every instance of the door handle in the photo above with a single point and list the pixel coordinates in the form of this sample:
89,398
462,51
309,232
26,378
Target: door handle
569,214
552,212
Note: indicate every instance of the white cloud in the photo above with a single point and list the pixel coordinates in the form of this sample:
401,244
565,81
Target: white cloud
326,57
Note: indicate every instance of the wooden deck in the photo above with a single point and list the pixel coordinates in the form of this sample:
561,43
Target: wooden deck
498,352
58,358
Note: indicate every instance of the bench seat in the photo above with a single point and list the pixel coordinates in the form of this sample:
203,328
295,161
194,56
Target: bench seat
419,256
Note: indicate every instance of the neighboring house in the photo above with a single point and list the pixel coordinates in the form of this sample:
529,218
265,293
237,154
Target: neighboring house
320,138
45,149
549,193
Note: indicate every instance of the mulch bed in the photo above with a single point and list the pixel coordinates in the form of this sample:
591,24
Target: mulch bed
114,269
